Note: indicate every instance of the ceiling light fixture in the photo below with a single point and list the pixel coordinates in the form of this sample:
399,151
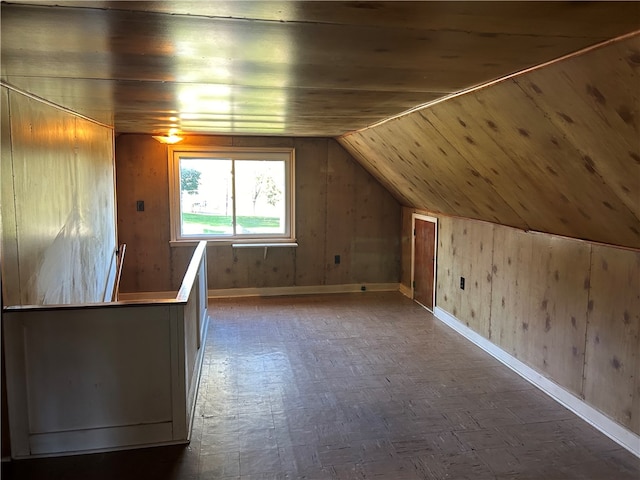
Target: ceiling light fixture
169,139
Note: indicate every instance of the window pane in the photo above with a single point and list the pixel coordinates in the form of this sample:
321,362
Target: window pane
260,201
206,197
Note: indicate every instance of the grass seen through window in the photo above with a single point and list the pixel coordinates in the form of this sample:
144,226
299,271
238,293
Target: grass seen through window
224,220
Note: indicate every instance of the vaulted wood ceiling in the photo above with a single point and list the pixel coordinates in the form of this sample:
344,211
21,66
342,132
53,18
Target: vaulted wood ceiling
281,68
555,149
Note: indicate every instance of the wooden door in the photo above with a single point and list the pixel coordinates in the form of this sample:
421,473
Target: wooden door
424,262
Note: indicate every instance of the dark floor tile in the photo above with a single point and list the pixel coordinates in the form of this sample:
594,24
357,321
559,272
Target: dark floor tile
219,465
461,466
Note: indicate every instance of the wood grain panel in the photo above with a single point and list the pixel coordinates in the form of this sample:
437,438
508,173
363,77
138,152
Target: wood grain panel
117,39
406,239
415,161
553,150
42,141
465,250
142,174
284,69
543,289
407,168
97,200
539,302
64,181
220,267
592,104
342,220
311,198
611,18
447,296
483,200
10,267
611,373
512,253
559,170
477,255
556,317
178,264
475,132
375,245
372,160
358,216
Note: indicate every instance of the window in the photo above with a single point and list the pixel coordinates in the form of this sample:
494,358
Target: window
239,195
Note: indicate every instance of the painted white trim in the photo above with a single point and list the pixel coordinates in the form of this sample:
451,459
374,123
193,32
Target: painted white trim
177,372
610,428
303,290
434,220
286,155
197,375
99,438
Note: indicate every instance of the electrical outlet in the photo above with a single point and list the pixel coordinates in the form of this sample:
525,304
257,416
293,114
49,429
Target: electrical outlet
140,206
462,283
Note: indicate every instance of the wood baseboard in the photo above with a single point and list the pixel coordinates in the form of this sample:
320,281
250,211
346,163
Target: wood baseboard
406,291
303,290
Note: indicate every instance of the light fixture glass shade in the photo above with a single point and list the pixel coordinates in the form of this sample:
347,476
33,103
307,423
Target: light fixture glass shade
169,139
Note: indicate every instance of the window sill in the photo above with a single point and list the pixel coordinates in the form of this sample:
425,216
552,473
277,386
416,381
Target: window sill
225,243
264,245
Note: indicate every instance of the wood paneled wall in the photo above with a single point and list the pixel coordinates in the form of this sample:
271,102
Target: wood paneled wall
58,204
569,309
340,210
612,353
555,149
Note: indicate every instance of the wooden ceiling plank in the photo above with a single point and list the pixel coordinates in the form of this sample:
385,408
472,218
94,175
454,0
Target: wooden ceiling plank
368,158
611,111
458,172
383,52
414,172
559,169
532,18
475,133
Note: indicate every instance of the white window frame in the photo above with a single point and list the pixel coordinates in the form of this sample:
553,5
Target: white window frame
175,152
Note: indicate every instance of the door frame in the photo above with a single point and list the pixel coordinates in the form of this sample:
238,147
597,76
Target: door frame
434,220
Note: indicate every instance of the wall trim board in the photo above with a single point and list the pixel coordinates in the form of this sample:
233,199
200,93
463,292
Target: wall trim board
303,290
406,291
616,432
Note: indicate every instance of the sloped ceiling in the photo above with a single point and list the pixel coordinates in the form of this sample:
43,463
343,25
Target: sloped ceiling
555,149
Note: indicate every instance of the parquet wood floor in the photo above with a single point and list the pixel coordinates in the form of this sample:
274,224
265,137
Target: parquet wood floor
356,386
